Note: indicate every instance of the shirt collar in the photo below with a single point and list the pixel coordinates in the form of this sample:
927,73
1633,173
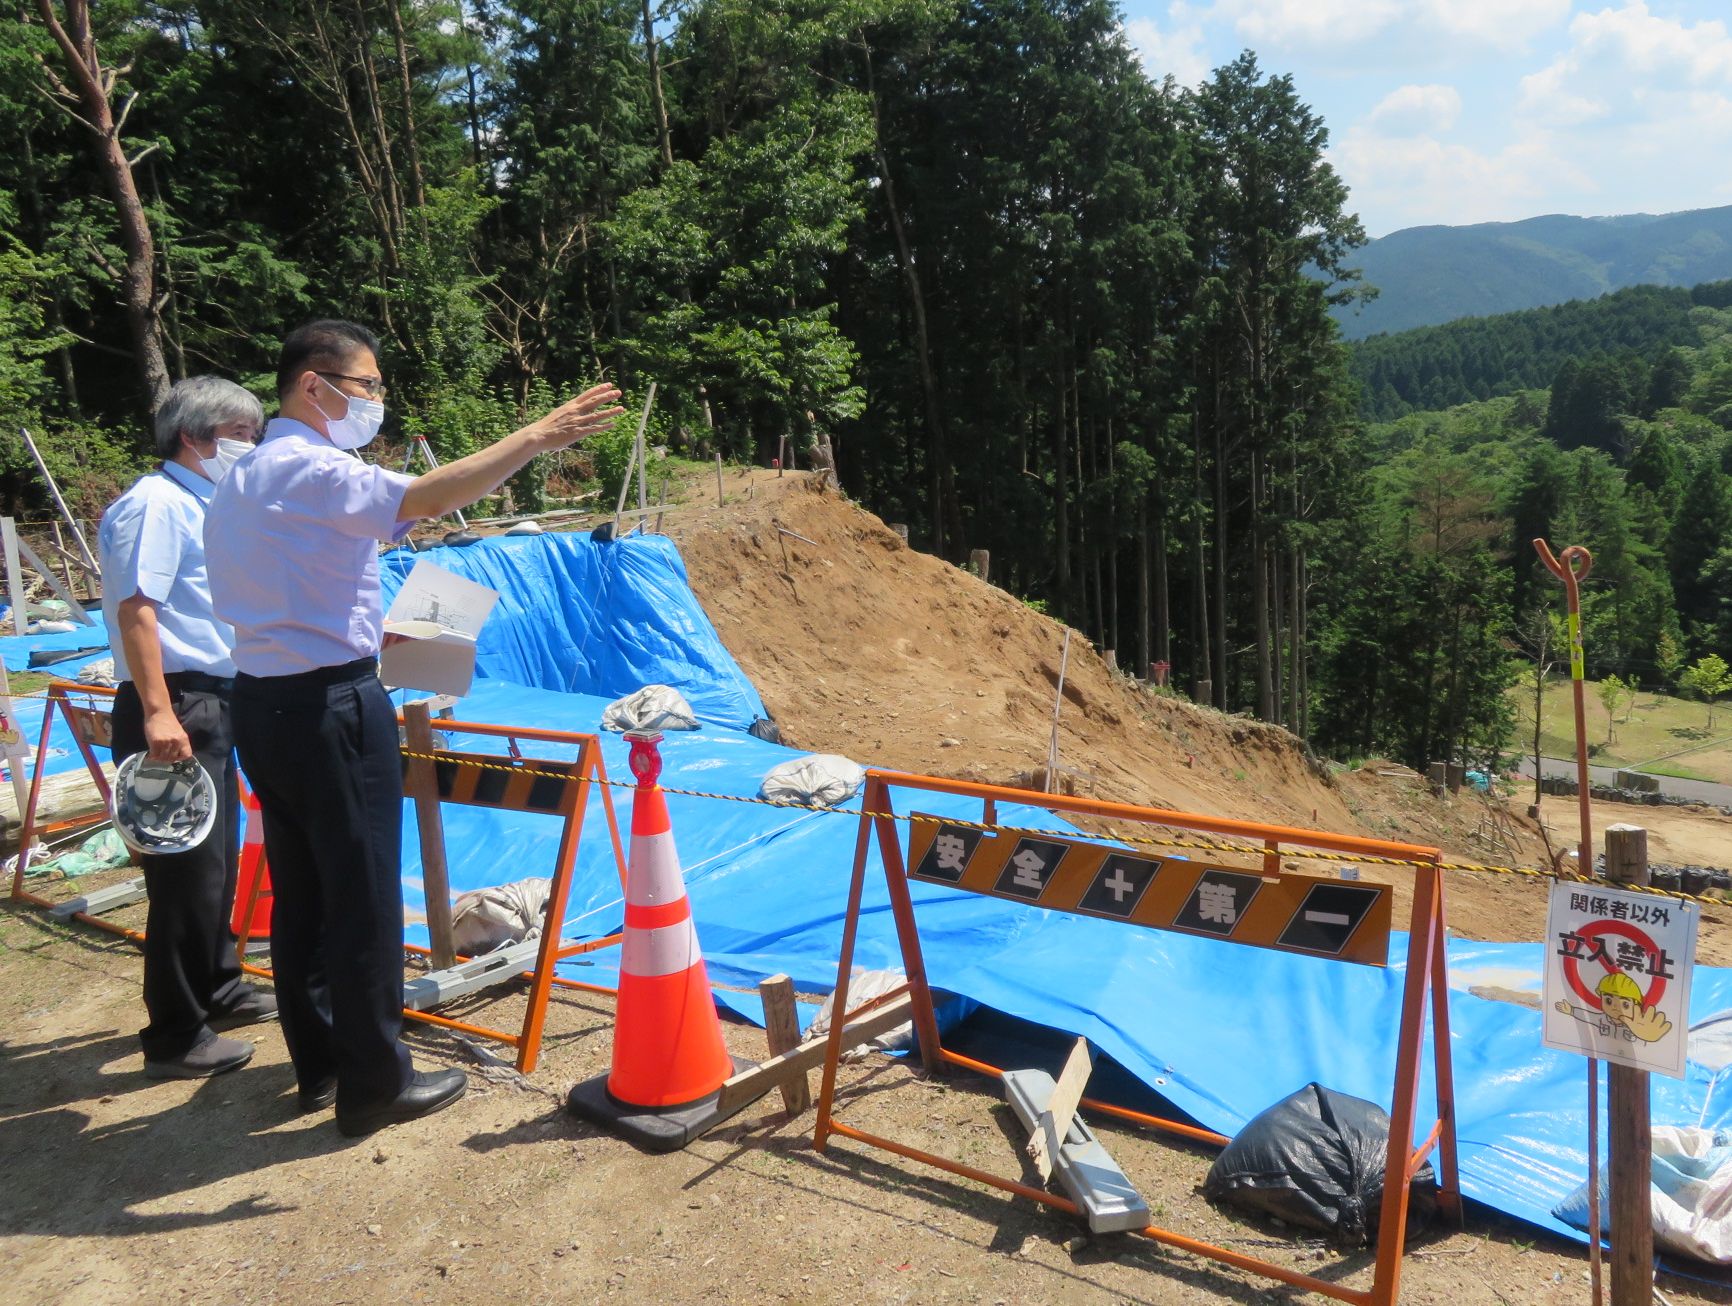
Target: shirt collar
190,479
278,427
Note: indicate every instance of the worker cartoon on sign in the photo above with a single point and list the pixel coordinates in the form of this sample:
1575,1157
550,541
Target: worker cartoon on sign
1622,1009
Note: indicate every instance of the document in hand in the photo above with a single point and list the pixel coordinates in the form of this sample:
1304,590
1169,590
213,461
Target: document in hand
431,629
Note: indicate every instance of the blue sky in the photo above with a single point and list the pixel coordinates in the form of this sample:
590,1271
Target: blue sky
1459,111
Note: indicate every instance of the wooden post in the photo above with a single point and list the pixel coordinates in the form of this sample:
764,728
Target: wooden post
1205,692
77,534
781,454
981,561
15,594
62,592
782,1027
60,545
720,498
1437,774
1051,786
901,529
1632,1140
424,787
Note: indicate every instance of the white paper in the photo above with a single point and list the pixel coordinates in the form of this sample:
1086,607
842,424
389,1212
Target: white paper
1617,980
431,631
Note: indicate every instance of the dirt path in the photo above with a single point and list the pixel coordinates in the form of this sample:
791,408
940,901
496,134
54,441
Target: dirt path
119,1189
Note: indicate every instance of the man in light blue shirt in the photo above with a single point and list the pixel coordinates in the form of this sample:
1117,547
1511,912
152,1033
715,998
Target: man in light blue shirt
293,537
172,659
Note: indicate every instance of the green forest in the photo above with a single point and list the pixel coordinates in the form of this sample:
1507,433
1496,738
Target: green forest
1041,301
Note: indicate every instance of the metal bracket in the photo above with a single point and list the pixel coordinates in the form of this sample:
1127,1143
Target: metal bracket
427,991
1085,1169
108,899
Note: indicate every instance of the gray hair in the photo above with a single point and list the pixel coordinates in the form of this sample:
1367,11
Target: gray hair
197,406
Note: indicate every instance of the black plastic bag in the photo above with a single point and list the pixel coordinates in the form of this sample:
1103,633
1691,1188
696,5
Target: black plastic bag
764,728
1315,1160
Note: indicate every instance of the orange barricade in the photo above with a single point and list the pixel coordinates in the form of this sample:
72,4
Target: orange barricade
510,782
516,783
1259,904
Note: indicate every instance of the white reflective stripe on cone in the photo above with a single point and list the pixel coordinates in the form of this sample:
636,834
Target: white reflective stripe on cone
665,950
652,877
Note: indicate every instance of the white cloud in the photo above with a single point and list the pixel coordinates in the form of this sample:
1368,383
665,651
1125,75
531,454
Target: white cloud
1175,50
1416,180
1501,24
1308,22
1415,110
1635,41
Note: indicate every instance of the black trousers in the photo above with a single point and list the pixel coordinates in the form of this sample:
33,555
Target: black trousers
190,968
321,752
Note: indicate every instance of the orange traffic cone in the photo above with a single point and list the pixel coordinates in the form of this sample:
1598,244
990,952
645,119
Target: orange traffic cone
253,867
669,1061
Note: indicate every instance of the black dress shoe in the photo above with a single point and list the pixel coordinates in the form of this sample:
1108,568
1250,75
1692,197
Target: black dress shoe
426,1093
318,1097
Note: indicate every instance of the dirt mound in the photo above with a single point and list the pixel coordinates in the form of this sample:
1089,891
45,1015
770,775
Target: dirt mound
861,645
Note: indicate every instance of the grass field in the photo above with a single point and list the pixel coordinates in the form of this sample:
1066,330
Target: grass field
1662,735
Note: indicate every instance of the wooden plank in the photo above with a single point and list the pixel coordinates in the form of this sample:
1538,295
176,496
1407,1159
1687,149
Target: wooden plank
15,594
1054,1122
1632,1139
761,1078
77,532
63,593
424,785
782,1027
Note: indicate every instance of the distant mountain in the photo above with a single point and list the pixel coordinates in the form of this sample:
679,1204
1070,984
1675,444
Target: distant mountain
1430,275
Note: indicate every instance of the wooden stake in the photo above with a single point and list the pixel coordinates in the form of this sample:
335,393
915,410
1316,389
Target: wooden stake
1054,1122
1057,703
719,497
60,545
981,561
759,1079
62,592
1632,1140
782,1027
77,534
14,580
424,788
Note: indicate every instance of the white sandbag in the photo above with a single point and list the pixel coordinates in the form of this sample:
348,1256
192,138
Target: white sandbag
863,986
824,779
485,919
654,707
99,672
1691,1194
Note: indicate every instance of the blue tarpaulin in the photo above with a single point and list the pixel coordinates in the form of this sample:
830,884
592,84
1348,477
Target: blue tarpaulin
1218,1029
594,618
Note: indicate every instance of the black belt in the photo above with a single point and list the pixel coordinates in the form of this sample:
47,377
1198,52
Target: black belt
359,669
199,682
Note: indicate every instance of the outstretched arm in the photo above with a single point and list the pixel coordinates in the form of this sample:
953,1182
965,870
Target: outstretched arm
460,483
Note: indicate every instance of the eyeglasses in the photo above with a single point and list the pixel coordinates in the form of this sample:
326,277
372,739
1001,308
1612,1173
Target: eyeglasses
373,385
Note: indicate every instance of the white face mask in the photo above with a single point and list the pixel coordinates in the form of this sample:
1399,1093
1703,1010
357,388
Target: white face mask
228,453
358,425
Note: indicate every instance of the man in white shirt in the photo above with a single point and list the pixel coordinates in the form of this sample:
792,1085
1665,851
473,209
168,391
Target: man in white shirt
172,659
293,535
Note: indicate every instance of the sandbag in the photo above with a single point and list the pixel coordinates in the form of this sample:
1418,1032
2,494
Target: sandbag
1691,1197
823,779
99,672
1315,1160
654,707
485,919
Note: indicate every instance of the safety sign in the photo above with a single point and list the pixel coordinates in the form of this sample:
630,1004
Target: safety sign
1295,913
1617,979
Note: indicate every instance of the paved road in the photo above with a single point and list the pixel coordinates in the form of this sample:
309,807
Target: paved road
1699,791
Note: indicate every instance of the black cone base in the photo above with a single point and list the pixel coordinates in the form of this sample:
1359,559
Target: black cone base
655,1129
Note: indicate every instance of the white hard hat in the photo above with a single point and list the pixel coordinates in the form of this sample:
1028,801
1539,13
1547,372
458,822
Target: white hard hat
163,808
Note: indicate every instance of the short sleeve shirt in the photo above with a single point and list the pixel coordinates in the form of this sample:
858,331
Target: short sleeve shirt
293,535
151,543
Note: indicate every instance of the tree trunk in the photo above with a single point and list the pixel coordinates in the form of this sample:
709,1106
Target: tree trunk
655,71
91,87
938,455
1143,614
406,89
1260,591
1163,617
1221,676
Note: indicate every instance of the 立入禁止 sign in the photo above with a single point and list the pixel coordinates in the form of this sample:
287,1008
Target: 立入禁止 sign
1617,975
